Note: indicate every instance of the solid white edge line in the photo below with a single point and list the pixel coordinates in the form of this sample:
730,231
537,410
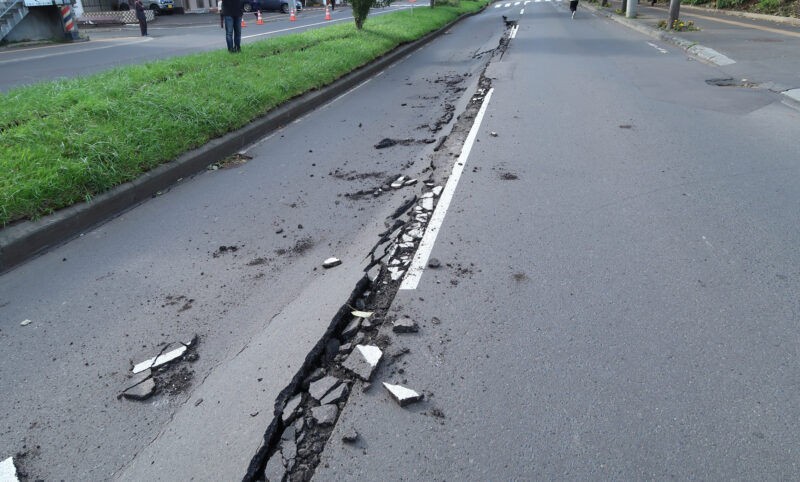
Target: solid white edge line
514,32
414,273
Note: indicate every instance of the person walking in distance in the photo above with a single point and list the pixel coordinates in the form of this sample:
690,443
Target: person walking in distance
141,18
232,11
573,6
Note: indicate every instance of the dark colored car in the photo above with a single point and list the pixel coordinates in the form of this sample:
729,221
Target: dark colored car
270,5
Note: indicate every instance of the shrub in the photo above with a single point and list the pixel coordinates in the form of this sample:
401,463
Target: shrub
769,5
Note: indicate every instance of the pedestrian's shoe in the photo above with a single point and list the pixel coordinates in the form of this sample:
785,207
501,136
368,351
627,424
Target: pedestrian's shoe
573,15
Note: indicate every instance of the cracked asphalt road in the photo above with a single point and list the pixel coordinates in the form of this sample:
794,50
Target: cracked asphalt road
107,300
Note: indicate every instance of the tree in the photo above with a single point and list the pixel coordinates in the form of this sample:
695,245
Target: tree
674,11
360,11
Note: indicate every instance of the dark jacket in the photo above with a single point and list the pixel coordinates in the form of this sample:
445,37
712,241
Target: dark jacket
139,10
232,8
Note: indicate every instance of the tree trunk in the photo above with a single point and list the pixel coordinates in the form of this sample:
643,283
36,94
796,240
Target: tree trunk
674,11
432,2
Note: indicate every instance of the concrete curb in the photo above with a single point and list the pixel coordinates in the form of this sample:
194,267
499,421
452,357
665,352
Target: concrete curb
23,241
754,16
693,48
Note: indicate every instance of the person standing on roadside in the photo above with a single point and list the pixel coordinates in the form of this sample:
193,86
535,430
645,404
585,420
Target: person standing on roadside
232,11
221,17
573,6
141,17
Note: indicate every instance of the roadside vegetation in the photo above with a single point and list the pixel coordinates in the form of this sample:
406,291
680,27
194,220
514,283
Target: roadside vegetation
66,141
785,8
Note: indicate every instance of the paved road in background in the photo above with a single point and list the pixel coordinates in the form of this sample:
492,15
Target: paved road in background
618,291
171,35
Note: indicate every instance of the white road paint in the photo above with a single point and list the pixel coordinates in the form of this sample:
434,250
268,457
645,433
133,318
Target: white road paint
514,31
527,2
414,273
400,392
508,5
663,51
498,6
516,3
8,472
521,12
159,360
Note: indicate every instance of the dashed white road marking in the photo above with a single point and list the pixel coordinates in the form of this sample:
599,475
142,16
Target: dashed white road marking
516,3
522,11
514,31
414,273
508,5
527,2
498,5
663,51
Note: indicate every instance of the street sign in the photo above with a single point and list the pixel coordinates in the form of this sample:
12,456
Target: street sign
38,3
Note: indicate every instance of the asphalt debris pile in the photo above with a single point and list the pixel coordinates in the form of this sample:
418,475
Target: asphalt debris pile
230,162
161,372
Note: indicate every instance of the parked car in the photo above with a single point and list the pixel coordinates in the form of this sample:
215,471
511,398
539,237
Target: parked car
157,6
270,5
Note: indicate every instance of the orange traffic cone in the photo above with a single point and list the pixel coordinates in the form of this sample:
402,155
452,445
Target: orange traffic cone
260,21
243,25
327,12
292,18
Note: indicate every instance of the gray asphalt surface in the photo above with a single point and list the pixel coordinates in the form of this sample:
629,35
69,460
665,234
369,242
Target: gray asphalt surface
171,35
627,308
156,275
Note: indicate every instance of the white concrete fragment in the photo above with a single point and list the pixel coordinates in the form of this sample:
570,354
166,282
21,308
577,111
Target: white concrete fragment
415,234
437,190
402,395
394,262
325,415
407,239
427,195
25,323
372,354
362,314
160,359
427,204
407,245
395,273
331,262
396,185
8,471
410,182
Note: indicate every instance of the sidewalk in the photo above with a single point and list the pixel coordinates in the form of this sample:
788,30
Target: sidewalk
761,50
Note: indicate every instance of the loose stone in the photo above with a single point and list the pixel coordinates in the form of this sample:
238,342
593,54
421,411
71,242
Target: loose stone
363,361
434,263
351,327
289,411
405,325
350,436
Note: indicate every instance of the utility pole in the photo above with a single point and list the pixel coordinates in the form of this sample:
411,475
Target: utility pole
674,11
630,12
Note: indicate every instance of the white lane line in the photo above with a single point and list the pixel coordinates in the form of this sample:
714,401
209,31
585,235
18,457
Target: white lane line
657,47
514,31
527,2
498,5
516,3
522,11
414,273
69,52
508,5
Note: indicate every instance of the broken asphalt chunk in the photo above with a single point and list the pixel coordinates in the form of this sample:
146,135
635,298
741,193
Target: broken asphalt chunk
427,204
275,469
321,387
437,190
159,360
351,327
335,395
363,361
290,410
142,391
405,325
395,273
325,415
402,395
331,262
137,379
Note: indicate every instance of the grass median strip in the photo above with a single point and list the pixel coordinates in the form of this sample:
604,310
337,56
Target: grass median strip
66,141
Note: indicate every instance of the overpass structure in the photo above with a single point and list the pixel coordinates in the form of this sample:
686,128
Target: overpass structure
22,20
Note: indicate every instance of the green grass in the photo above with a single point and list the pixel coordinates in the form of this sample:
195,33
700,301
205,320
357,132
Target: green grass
66,141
